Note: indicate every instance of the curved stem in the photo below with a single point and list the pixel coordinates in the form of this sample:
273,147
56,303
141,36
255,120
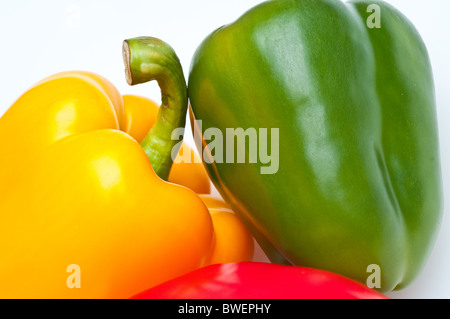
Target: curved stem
147,59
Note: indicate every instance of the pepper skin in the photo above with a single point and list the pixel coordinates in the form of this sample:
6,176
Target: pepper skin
359,180
254,280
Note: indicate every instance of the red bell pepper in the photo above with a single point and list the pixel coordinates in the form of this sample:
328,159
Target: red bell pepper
257,280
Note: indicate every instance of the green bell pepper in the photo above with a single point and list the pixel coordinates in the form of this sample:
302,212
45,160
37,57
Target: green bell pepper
359,179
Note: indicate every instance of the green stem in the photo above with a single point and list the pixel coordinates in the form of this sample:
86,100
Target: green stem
147,59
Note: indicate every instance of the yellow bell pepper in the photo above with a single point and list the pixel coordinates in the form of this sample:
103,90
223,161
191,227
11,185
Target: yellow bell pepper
232,240
82,212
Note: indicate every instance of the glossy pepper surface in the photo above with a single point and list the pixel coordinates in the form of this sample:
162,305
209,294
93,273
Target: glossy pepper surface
359,179
82,212
256,280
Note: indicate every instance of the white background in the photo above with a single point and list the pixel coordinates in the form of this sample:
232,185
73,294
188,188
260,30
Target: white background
39,38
